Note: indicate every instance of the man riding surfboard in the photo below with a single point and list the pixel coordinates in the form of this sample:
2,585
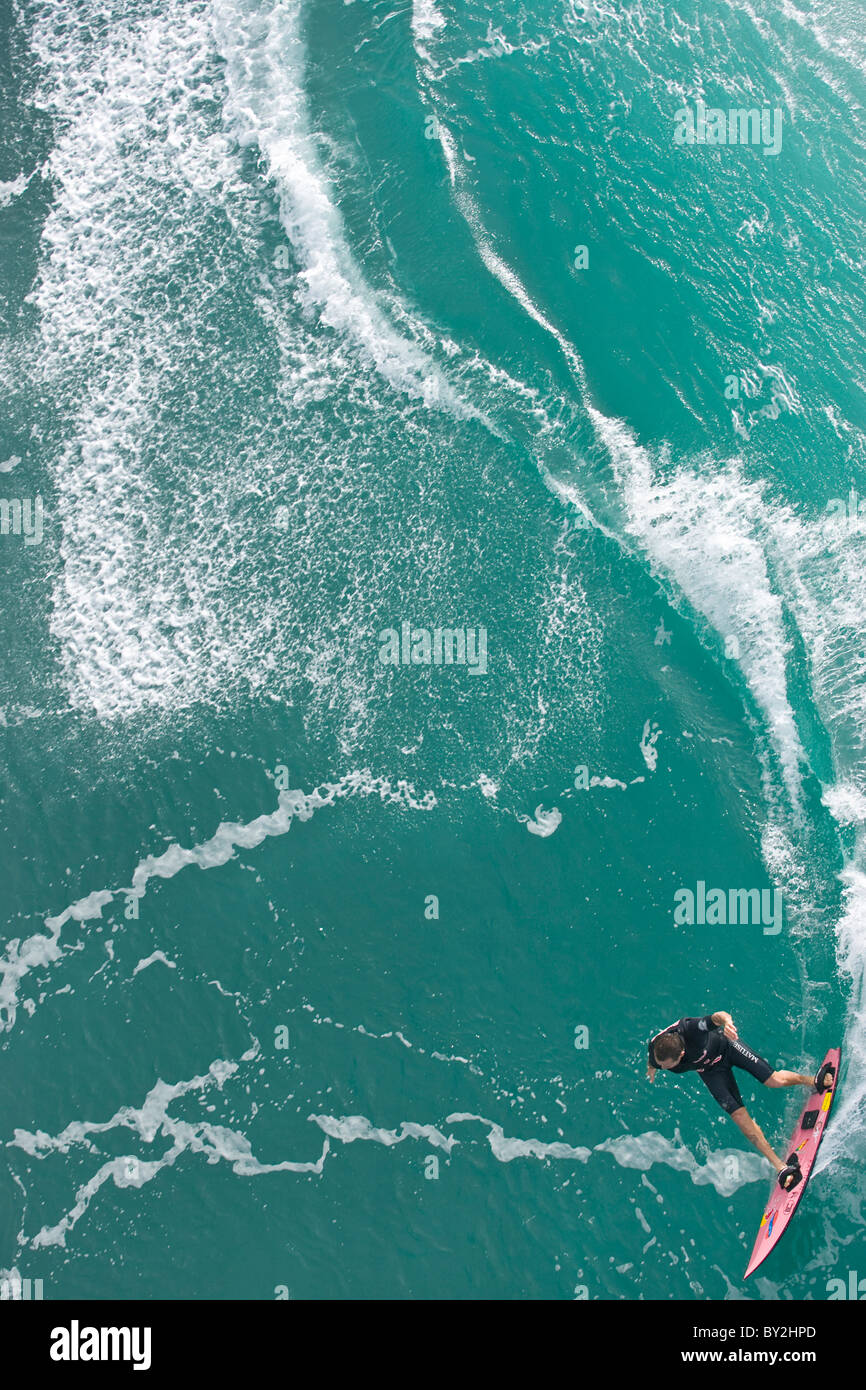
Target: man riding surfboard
711,1047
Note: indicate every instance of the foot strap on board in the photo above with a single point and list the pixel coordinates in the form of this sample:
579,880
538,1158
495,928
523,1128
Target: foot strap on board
824,1077
790,1176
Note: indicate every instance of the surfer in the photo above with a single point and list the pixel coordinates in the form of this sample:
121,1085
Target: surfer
711,1047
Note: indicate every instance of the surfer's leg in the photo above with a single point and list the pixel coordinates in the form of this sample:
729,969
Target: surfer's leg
753,1132
720,1082
789,1078
741,1056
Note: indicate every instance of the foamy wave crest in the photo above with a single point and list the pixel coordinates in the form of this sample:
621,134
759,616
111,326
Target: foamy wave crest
264,53
701,530
748,564
426,22
846,1135
822,564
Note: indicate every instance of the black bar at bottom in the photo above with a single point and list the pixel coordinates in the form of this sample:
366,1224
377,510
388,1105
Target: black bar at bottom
59,1339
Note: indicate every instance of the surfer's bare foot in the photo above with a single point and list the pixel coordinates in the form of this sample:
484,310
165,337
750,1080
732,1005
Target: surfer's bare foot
824,1077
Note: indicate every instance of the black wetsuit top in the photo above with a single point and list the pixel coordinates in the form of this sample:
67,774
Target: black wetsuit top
703,1041
712,1055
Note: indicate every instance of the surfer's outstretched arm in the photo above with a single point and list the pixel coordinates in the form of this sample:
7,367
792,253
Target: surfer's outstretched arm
753,1132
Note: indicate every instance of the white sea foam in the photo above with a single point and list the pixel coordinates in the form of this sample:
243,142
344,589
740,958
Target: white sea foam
649,739
134,171
13,188
831,31
724,1169
746,563
797,54
822,565
508,277
158,602
41,950
846,803
845,1136
426,20
152,960
467,205
506,1149
265,60
738,556
700,529
151,1121
545,822
350,1128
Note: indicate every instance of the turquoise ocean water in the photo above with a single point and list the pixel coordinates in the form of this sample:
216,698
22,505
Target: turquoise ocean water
324,977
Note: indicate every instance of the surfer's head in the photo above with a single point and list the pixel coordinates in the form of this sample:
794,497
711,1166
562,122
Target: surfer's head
669,1050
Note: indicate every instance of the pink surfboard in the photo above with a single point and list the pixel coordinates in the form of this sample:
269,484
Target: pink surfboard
804,1142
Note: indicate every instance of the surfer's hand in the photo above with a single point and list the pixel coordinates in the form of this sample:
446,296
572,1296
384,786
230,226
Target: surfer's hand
727,1024
651,1073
